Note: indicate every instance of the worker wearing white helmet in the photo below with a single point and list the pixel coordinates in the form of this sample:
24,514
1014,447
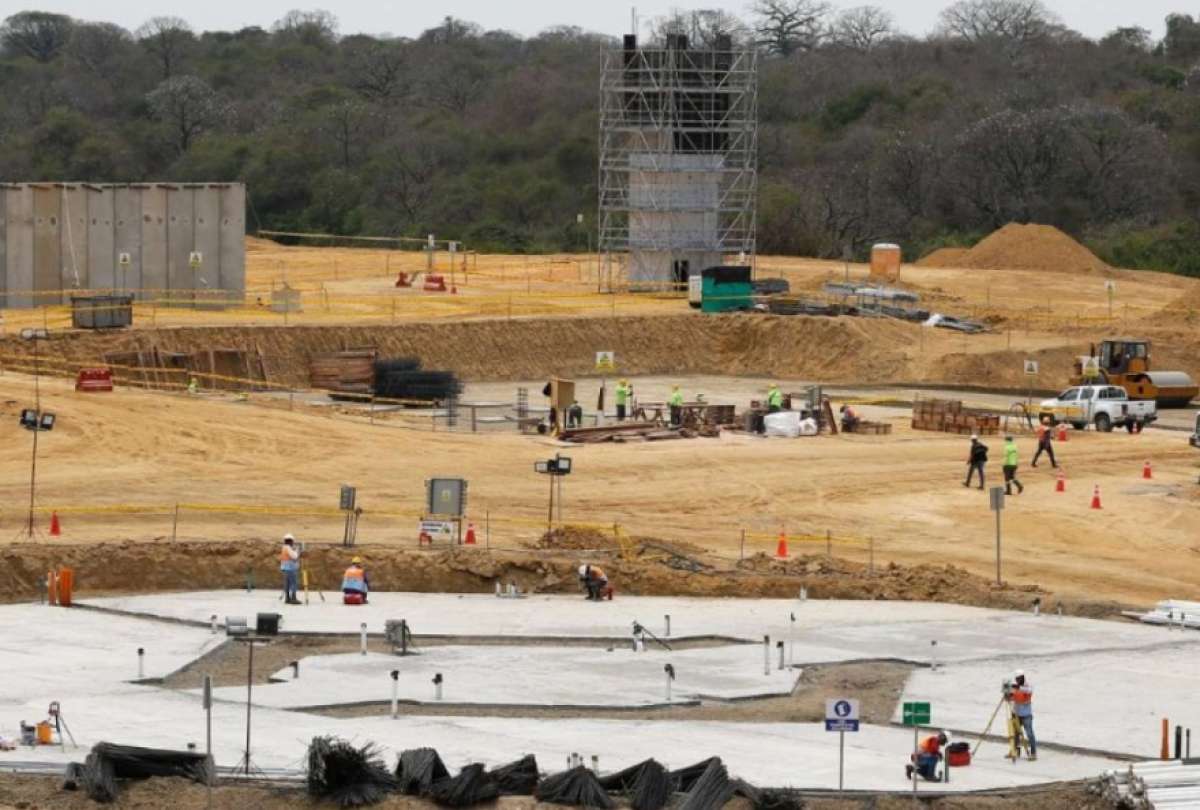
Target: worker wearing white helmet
1020,698
289,564
595,582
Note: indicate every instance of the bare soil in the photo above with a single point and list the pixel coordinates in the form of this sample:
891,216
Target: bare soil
18,792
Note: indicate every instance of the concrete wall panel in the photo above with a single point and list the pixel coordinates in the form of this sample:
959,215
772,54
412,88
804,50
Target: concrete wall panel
127,228
47,266
74,234
208,238
180,243
19,208
233,239
154,242
101,259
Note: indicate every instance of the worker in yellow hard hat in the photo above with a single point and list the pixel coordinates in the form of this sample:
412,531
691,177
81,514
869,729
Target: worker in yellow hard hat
774,399
355,583
675,402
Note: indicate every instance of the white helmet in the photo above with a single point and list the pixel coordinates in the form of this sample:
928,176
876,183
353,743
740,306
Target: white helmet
583,569
1020,673
945,735
289,536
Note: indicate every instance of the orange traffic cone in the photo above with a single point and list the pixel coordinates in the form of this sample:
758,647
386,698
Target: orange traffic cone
55,527
1096,497
1061,484
1146,470
1062,431
470,541
781,549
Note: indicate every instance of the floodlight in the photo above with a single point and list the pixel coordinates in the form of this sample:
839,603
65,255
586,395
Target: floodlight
47,422
538,466
29,418
562,465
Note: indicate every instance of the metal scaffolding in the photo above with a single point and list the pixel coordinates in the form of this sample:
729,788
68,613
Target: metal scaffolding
678,159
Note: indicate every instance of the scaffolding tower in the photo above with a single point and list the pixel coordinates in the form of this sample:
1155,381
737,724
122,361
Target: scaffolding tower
678,159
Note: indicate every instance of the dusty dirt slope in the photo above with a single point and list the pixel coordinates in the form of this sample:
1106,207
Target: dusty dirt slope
944,257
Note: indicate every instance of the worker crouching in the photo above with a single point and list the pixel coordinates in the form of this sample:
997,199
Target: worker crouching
926,758
355,584
595,582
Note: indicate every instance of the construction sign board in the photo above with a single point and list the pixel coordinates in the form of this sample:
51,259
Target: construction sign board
446,496
1031,368
917,714
195,258
124,259
996,498
606,361
841,714
438,531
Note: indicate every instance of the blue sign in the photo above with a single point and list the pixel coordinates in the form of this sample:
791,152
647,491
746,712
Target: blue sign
841,715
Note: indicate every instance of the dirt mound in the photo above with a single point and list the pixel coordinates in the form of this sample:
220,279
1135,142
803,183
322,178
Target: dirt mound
944,257
1031,247
655,569
581,538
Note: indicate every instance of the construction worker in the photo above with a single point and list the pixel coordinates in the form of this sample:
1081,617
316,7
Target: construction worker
622,399
774,399
1045,437
355,584
850,419
675,402
928,754
1019,694
975,461
1010,466
289,564
595,582
575,415
193,386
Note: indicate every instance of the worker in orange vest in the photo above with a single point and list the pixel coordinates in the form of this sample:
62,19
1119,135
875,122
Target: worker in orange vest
1019,694
355,583
928,754
595,582
289,564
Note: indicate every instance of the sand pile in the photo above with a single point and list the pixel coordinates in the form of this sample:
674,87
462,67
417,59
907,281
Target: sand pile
1031,247
944,257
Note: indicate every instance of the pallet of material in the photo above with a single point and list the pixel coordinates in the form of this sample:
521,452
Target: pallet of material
949,416
872,428
351,372
608,433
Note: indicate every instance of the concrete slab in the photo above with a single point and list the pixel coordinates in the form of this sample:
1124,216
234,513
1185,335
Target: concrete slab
527,676
1108,701
823,631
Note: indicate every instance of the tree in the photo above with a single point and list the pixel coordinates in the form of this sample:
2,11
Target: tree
167,39
187,106
376,69
315,28
99,48
787,26
702,27
1182,42
1013,21
39,35
1131,38
863,28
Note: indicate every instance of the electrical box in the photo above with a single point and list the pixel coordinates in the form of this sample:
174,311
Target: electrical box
446,496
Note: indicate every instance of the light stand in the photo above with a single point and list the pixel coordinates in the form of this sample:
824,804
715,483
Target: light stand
245,763
555,468
35,335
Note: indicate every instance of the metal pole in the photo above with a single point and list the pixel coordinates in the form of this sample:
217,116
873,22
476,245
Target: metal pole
175,524
766,655
550,514
997,547
916,729
249,688
37,409
841,760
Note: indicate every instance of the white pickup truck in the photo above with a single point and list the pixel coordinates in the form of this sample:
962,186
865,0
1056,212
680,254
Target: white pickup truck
1105,406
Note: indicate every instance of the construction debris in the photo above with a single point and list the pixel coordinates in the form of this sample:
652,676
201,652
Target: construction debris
106,763
949,416
518,778
577,787
472,786
624,431
418,770
872,428
345,774
1154,785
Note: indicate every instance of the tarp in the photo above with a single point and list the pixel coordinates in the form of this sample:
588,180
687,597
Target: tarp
472,786
418,770
577,787
518,778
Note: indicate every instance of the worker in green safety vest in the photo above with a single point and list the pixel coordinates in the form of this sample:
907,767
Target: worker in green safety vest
676,403
774,398
624,389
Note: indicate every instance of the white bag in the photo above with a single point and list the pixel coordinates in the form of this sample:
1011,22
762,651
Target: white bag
782,423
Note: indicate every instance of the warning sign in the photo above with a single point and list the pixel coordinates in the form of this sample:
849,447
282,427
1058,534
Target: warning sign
1031,368
606,361
124,259
195,259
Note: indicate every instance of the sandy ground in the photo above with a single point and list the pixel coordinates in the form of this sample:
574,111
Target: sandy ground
116,465
42,793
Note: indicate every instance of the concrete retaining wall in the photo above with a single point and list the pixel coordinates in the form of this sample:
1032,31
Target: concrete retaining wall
60,239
